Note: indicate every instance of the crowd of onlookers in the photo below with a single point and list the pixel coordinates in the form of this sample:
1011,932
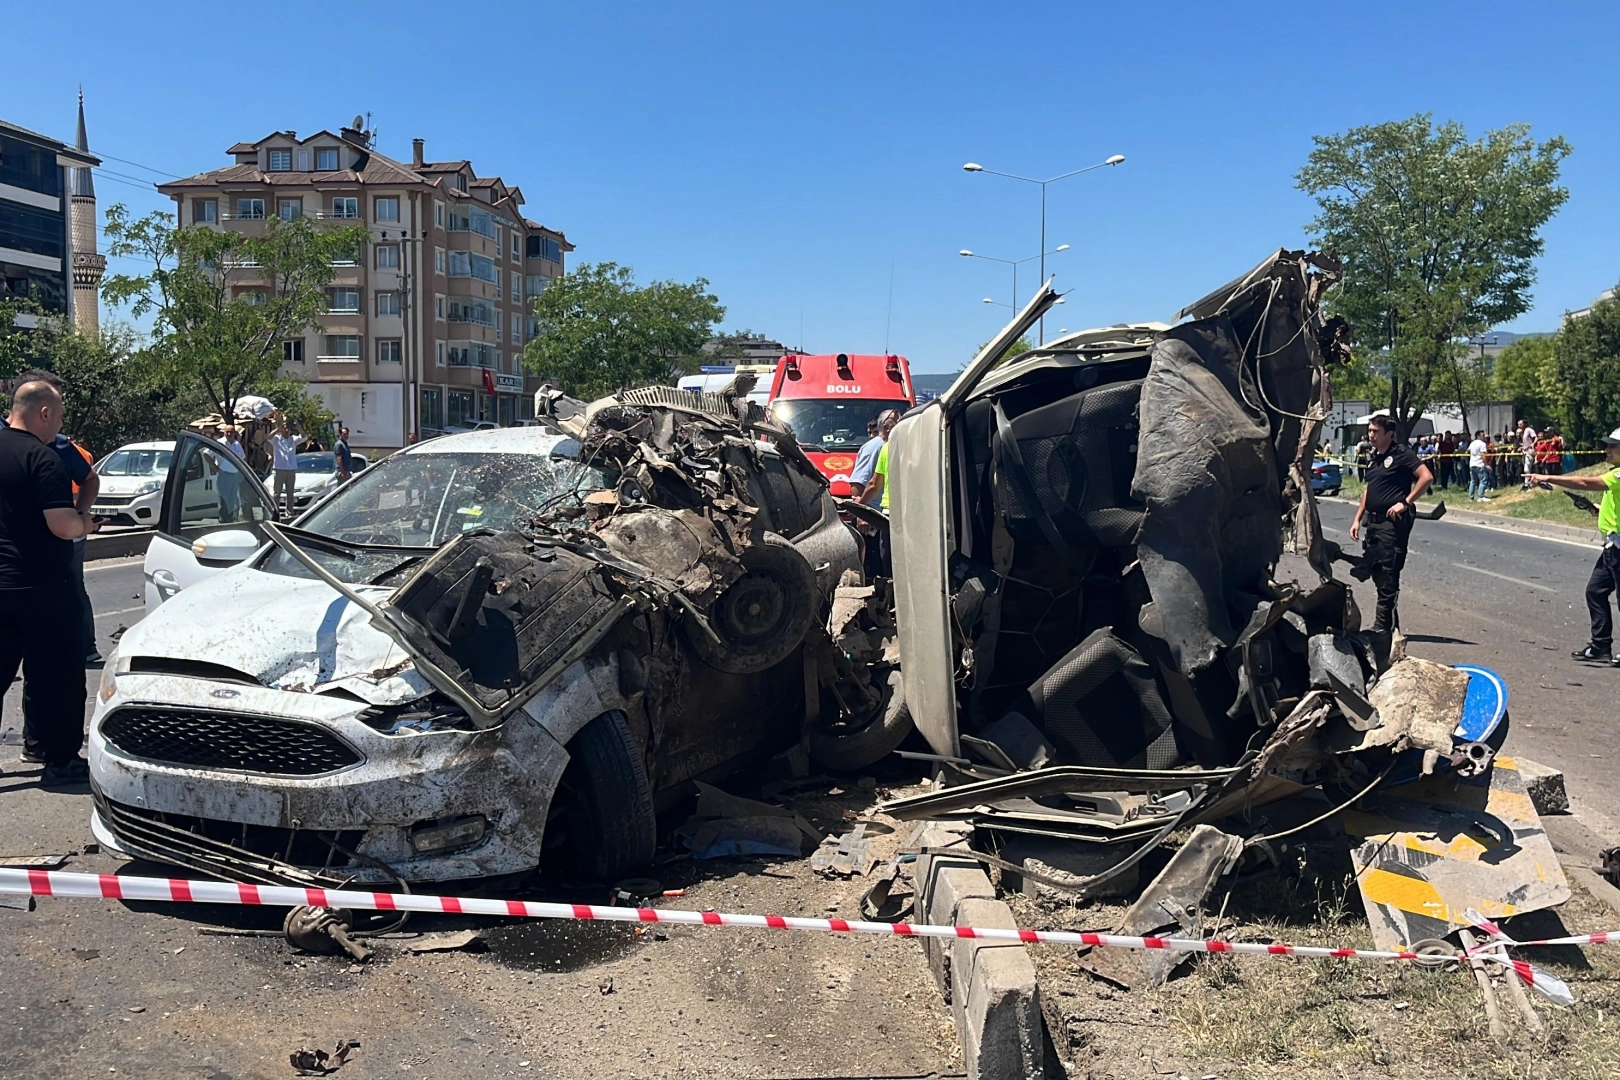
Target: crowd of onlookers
1486,461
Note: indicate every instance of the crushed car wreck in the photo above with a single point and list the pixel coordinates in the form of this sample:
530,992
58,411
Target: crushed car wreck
1118,619
455,668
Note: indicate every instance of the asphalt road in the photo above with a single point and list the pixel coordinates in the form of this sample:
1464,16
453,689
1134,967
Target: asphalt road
1514,603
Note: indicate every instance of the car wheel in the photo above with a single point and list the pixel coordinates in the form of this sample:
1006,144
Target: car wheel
763,616
847,748
1334,492
612,826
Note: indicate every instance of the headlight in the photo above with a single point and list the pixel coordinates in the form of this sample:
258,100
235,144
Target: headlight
149,487
109,676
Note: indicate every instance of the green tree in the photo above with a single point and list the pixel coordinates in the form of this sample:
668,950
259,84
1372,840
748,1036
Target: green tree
1527,374
110,394
223,301
19,345
1439,237
1587,358
600,332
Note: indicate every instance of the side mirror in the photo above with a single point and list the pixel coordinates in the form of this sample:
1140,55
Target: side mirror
226,546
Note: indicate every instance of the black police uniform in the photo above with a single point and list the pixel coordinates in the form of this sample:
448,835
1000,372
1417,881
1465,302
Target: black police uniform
1390,479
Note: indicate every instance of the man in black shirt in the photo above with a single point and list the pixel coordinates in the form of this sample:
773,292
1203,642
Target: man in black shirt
1395,480
39,613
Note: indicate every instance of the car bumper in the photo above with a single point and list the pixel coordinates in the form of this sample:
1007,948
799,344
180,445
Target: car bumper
355,822
141,510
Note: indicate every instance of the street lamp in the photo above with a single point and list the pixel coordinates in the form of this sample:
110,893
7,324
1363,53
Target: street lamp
975,167
1014,263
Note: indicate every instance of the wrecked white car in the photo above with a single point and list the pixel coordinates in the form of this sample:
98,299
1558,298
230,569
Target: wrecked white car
478,654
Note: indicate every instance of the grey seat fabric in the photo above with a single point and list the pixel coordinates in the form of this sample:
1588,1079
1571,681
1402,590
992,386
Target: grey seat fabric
1079,455
1101,706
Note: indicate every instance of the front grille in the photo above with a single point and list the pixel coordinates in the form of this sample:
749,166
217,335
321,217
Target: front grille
226,740
268,855
114,500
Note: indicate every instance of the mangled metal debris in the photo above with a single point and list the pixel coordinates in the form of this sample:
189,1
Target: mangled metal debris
1118,618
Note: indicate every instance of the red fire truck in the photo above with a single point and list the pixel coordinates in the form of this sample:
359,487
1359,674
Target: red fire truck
829,399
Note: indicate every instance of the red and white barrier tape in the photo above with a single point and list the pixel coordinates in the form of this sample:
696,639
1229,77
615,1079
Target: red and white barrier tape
179,890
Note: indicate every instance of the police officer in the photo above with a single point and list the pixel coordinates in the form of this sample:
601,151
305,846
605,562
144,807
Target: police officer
1605,579
1395,480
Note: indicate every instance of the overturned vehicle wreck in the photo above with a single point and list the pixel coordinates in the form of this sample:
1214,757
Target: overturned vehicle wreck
1118,619
450,671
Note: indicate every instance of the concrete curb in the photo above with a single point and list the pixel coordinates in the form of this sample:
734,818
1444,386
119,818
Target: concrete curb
117,545
1501,522
991,988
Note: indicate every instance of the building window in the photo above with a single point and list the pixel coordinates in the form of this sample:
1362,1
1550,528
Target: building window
500,331
387,256
517,328
517,287
497,280
287,209
253,298
281,161
292,351
517,247
345,206
536,284
461,408
341,347
438,260
303,159
326,159
343,301
466,264
387,209
204,211
388,303
438,214
432,410
438,306
250,208
544,247
467,310
500,240
388,351
438,352
459,181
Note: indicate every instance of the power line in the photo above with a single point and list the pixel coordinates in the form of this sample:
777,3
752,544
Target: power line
138,165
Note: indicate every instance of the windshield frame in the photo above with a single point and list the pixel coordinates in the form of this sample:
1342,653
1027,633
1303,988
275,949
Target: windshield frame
161,460
384,474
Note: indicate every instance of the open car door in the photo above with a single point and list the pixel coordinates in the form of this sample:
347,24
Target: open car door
212,516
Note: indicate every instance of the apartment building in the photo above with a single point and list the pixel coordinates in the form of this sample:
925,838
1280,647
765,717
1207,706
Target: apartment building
424,332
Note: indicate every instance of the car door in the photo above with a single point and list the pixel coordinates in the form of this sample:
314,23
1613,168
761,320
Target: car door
209,491
921,533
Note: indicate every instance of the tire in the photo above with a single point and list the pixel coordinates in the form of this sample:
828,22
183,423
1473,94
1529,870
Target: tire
612,826
764,615
1334,493
870,744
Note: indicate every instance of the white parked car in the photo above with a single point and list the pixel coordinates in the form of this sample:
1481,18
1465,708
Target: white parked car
132,482
317,475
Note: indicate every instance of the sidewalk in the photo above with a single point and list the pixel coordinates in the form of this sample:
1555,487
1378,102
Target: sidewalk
1503,523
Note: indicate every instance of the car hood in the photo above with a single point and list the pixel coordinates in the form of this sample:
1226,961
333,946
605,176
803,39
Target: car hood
288,633
306,480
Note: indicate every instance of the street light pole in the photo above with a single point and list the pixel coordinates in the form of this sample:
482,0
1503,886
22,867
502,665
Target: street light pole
974,167
1014,263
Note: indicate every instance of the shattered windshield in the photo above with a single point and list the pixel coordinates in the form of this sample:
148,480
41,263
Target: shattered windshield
824,424
424,500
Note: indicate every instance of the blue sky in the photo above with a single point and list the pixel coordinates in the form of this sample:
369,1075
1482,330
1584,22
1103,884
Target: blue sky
797,156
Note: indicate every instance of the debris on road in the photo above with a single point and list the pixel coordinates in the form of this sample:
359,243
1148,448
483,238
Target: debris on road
844,856
308,1062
